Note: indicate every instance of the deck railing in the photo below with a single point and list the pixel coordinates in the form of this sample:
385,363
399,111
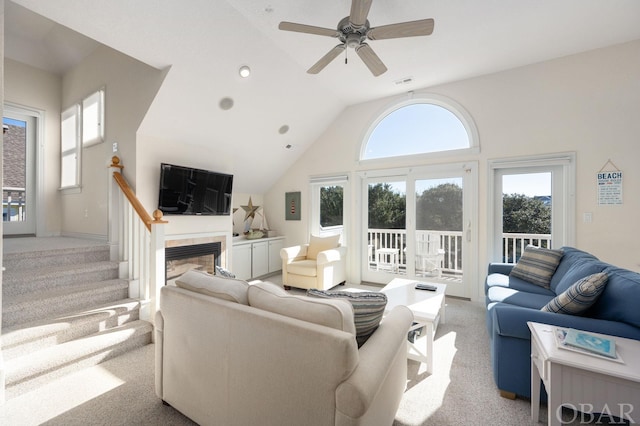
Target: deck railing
451,243
13,204
137,242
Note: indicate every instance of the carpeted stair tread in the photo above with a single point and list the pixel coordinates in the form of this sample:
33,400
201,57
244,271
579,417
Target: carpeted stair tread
52,257
24,308
21,281
26,372
24,338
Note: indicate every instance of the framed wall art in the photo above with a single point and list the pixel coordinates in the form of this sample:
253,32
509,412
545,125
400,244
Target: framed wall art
292,205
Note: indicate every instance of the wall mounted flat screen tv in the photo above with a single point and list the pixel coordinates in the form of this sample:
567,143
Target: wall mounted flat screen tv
189,191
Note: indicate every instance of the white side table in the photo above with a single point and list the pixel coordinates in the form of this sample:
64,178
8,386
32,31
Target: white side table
428,308
583,382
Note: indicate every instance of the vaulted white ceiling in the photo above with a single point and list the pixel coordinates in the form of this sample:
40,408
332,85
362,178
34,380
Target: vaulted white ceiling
206,41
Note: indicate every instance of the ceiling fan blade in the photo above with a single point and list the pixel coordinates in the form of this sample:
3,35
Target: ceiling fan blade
326,59
422,27
359,12
307,29
370,59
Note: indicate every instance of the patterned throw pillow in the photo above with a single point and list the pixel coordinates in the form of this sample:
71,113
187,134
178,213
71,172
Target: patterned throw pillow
368,309
537,265
579,297
224,272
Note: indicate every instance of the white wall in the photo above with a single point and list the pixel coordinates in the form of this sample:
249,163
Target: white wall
587,103
130,88
39,90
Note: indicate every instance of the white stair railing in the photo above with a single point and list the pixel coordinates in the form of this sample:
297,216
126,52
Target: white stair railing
137,242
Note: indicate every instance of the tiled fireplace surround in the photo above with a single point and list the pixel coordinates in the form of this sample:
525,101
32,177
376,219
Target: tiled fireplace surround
201,253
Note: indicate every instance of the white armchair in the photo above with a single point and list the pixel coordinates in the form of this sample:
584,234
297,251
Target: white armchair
321,264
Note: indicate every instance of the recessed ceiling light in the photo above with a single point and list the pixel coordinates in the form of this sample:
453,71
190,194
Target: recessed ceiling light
244,71
226,103
283,129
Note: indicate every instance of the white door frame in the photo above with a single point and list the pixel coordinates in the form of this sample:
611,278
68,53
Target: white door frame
34,158
563,169
469,172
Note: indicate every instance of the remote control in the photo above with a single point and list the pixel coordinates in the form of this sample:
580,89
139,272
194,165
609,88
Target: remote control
428,287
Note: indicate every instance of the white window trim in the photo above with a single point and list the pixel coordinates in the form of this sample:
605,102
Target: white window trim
425,98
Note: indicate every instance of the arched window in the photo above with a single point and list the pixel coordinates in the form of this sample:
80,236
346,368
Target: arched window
424,125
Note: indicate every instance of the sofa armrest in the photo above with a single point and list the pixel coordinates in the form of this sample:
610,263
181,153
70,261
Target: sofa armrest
500,268
511,321
333,255
158,340
356,394
289,254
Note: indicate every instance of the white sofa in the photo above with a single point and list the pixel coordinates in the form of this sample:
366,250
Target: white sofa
320,265
224,362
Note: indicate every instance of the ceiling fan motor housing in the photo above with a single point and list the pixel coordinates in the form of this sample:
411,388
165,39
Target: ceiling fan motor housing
351,35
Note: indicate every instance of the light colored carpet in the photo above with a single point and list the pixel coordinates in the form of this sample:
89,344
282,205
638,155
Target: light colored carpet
121,391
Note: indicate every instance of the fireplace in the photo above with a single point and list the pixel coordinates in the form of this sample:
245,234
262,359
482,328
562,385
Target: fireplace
202,257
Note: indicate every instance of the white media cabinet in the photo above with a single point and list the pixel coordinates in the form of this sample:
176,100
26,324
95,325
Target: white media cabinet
256,258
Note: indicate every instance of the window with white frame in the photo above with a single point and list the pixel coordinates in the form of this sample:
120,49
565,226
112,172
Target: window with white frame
70,148
92,118
82,125
421,125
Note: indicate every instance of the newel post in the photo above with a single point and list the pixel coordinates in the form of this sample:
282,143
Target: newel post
156,263
114,216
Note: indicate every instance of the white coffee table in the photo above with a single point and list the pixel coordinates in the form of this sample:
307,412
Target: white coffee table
428,309
583,382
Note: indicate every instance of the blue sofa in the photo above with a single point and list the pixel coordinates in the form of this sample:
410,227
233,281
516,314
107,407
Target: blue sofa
511,302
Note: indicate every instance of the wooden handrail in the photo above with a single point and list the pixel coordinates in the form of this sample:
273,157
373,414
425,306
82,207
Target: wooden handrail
131,196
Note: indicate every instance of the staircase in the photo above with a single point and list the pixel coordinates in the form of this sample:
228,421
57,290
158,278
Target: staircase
64,310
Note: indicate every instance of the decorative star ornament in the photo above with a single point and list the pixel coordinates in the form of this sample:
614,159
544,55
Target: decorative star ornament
250,210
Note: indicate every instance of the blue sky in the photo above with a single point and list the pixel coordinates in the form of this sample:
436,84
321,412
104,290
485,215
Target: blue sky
415,129
530,184
12,122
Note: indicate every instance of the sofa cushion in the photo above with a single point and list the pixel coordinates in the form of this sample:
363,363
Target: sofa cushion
307,268
318,244
581,268
517,298
537,265
336,314
229,289
579,297
368,309
501,280
619,300
570,256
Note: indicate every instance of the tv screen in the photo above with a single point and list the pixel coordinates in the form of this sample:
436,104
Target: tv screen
189,191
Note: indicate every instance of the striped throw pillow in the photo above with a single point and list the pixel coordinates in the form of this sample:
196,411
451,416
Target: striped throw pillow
537,265
579,297
368,309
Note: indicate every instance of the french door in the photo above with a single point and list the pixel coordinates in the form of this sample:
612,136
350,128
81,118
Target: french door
420,224
19,171
533,202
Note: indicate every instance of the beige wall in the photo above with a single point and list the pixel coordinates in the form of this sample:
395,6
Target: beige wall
585,103
130,87
39,90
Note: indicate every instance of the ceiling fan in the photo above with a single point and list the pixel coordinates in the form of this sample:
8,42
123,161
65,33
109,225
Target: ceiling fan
352,32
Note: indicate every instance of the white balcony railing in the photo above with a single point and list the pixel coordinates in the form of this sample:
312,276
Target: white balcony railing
450,244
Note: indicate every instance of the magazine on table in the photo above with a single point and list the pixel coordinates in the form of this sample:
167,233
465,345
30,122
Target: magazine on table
587,343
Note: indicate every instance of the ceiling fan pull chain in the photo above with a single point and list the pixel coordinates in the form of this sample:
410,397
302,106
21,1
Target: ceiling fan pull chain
345,56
